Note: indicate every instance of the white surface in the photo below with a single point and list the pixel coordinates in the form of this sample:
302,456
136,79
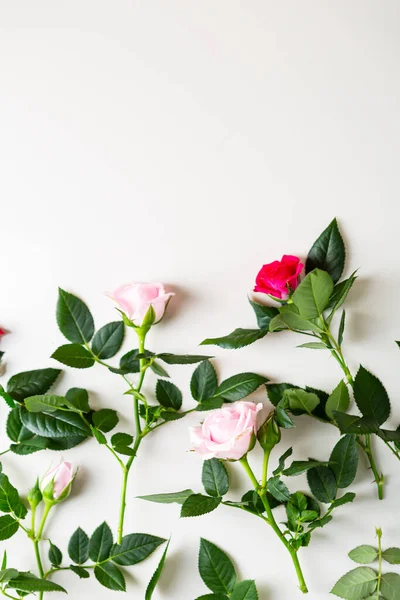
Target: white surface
189,142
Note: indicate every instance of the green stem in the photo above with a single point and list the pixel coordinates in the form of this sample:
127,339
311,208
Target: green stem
262,492
37,537
379,478
378,589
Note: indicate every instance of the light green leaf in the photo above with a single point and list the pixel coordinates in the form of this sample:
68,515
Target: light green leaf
356,584
301,402
173,497
392,556
312,296
390,586
364,554
245,590
47,403
339,400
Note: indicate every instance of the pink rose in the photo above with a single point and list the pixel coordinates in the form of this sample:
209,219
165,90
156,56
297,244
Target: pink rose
2,332
134,299
278,277
227,432
57,482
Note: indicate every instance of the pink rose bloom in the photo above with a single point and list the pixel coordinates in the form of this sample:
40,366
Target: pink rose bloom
277,277
2,332
227,432
61,478
134,299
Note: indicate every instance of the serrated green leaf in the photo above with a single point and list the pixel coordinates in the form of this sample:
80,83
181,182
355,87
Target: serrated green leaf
282,417
31,383
349,497
341,328
356,584
314,346
216,568
45,403
301,402
312,296
74,355
168,394
80,571
282,460
278,489
328,252
170,498
100,543
203,383
275,391
237,339
390,586
121,439
78,547
60,424
9,498
209,404
354,424
55,555
322,482
26,582
301,466
364,555
182,359
108,340
371,396
110,577
30,447
264,314
245,590
339,400
339,294
197,504
156,575
134,548
392,556
158,369
105,419
215,478
8,527
239,386
79,398
344,459
290,318
74,318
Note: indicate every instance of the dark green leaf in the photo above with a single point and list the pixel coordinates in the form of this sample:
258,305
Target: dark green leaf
126,450
168,394
339,293
392,556
282,459
339,400
105,419
344,459
237,339
388,436
178,497
55,555
215,478
282,417
121,439
26,582
301,466
245,590
322,482
74,318
264,314
158,369
46,403
156,575
275,391
79,398
354,424
371,397
328,252
212,597
108,340
110,577
210,404
301,402
349,497
239,386
30,447
216,568
100,543
80,571
31,383
341,328
278,489
390,586
203,383
14,424
197,504
7,398
312,296
78,547
59,424
181,359
74,355
134,548
8,527
9,498
356,584
364,555
62,443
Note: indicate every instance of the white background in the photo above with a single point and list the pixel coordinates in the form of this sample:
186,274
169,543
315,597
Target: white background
191,142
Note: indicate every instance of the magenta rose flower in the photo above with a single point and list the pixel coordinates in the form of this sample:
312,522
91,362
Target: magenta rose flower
134,299
56,484
279,277
228,432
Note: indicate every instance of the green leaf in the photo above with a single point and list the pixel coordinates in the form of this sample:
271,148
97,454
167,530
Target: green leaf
339,400
341,328
7,574
30,447
62,443
328,252
26,582
312,295
181,359
364,555
168,394
354,424
31,383
108,340
301,402
237,339
79,398
80,571
100,543
74,318
278,489
275,391
245,590
239,386
55,555
349,497
121,439
126,450
74,355
282,460
197,504
344,459
301,466
392,556
322,482
264,314
8,527
60,424
110,577
130,362
158,369
215,478
134,548
78,547
9,498
105,419
100,437
210,404
339,294
156,575
388,436
282,417
15,430
47,403
7,398
170,498
356,584
203,383
216,568
313,346
390,586
371,397
289,318
212,597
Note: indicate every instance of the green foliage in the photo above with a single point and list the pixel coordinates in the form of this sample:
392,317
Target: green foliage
364,555
301,466
371,397
74,318
31,383
339,400
215,478
390,586
239,386
356,584
78,547
105,419
264,314
245,590
237,339
108,340
79,399
121,439
8,527
278,489
100,543
59,424
392,556
55,555
301,402
344,461
10,501
312,296
323,485
170,498
328,252
156,575
74,355
203,383
80,571
197,504
27,582
216,568
289,318
134,548
168,394
282,461
46,403
182,359
110,577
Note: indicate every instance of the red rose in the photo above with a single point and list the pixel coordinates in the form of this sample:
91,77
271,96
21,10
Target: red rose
278,277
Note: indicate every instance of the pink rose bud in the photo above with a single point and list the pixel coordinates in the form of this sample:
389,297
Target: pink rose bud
56,484
279,277
2,332
227,433
135,299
